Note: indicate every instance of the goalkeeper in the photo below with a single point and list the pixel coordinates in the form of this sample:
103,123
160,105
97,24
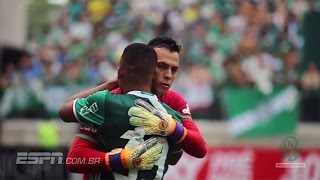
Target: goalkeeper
109,114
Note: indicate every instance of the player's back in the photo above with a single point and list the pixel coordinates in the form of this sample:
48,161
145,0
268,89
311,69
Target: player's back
116,131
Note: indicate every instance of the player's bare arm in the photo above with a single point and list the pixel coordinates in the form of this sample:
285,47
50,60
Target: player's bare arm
66,110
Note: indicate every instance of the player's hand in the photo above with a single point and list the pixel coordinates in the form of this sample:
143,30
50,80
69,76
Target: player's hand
155,121
137,153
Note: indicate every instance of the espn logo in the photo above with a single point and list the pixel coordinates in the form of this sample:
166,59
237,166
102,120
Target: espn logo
39,157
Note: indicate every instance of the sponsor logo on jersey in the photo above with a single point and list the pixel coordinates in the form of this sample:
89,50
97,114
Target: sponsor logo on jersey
92,109
89,128
186,110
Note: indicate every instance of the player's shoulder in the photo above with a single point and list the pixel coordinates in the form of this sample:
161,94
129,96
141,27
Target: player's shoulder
172,95
109,94
177,102
112,97
99,95
106,96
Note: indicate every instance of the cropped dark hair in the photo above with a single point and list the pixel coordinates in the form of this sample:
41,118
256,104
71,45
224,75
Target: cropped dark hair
140,62
165,42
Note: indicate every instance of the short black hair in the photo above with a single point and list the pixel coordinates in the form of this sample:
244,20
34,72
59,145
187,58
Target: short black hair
165,42
140,62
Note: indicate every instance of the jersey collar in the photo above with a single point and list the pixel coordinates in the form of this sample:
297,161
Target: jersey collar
143,94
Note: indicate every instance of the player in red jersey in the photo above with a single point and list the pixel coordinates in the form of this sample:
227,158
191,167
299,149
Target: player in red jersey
168,63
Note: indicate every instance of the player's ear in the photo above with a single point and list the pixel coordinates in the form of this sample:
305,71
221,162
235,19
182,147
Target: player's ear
119,73
154,76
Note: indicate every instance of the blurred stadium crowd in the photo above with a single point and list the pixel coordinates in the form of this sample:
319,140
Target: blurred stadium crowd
235,43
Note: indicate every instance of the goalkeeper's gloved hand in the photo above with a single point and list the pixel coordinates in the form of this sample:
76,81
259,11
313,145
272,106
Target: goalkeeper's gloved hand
155,121
137,153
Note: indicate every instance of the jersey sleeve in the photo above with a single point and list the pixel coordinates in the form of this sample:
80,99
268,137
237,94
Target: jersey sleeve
91,110
177,103
193,143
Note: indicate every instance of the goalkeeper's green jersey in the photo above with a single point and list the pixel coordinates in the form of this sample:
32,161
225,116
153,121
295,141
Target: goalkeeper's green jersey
109,114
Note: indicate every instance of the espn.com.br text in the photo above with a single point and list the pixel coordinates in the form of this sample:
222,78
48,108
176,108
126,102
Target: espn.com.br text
52,157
